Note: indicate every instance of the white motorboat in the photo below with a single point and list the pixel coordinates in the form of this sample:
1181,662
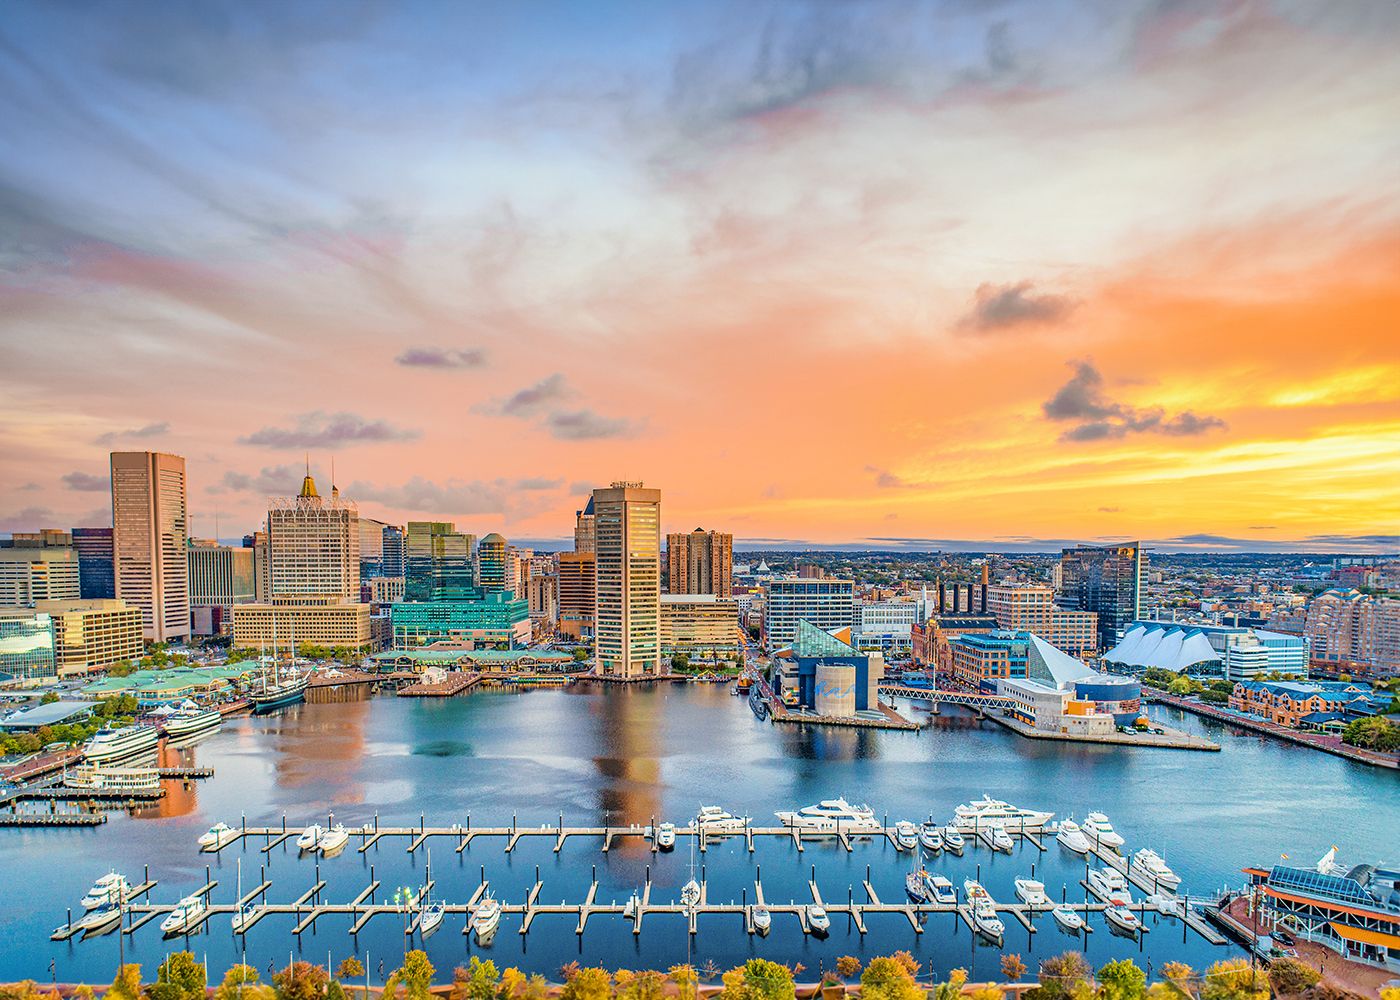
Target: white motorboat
333,840
99,919
666,836
97,777
190,718
953,840
817,919
1149,866
1068,918
1001,840
690,893
486,918
973,891
186,914
975,815
243,919
119,743
906,835
832,816
1123,918
985,919
218,836
942,889
630,908
1071,836
1032,893
762,919
430,918
916,886
1100,831
931,837
310,838
713,821
111,888
1110,884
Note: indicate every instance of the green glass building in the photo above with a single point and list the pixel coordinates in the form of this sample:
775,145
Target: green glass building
494,620
438,563
493,566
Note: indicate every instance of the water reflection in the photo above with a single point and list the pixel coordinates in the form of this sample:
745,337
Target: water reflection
628,729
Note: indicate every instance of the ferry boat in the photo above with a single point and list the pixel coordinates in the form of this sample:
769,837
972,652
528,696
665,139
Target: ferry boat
219,836
1072,837
985,919
486,918
832,816
131,780
931,837
111,888
1068,918
1109,883
1123,918
953,840
1032,893
310,838
974,815
1149,866
666,836
186,914
1100,831
333,840
1001,840
190,718
119,743
942,890
762,919
817,919
906,835
714,820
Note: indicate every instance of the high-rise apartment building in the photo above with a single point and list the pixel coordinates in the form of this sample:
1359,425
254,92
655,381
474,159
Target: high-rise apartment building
828,604
585,529
1348,627
392,546
439,563
1030,607
313,545
627,619
94,548
701,562
494,574
38,566
150,531
1107,581
576,593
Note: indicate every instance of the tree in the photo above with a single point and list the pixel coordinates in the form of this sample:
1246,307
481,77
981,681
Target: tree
350,968
848,966
1234,979
1374,733
416,975
685,979
334,991
241,983
1013,968
300,981
768,980
888,979
952,988
639,985
184,974
579,654
1060,974
1179,980
477,981
987,992
587,984
127,985
1290,977
1122,980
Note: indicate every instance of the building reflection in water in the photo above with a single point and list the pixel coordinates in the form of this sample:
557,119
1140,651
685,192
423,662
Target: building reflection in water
630,791
181,796
320,749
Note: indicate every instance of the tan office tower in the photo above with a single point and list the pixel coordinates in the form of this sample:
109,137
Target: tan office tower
577,600
701,562
149,534
627,619
313,545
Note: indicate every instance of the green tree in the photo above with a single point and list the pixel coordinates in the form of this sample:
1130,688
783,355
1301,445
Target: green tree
1122,980
416,975
241,983
888,979
49,698
1289,977
587,984
350,968
182,972
300,981
1234,979
1374,733
768,980
476,980
951,988
127,985
334,991
848,966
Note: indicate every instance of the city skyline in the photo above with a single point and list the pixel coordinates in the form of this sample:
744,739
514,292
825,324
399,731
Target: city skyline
880,276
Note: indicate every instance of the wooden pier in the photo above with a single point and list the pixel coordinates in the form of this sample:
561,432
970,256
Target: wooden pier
1194,919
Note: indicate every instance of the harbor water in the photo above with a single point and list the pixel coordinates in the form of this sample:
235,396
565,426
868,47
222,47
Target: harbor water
613,756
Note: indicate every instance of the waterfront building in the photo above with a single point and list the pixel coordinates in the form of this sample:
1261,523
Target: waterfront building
493,569
1030,607
383,590
700,625
318,622
627,591
1355,910
1292,703
26,646
824,603
1351,629
171,686
701,562
494,619
150,532
220,577
887,625
96,578
1231,652
447,655
576,593
392,548
980,660
1106,580
931,641
438,562
1057,693
542,596
585,528
69,638
37,568
824,673
313,545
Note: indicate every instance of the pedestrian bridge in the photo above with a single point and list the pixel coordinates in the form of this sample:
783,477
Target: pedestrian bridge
939,696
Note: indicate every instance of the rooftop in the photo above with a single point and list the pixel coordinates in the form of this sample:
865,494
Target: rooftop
47,715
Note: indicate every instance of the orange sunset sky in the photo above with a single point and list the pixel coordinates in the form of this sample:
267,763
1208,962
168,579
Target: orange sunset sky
873,273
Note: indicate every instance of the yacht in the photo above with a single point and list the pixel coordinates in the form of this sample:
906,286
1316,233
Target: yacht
832,816
310,838
1068,918
1032,893
666,836
762,919
218,836
184,917
975,815
1148,866
119,743
131,780
430,918
1100,831
486,918
953,840
110,888
333,840
817,919
690,893
243,919
985,919
906,835
1072,837
190,718
931,837
1001,840
916,886
99,919
1123,918
1110,884
714,820
942,890
973,891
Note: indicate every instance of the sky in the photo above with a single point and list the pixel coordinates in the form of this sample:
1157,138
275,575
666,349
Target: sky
921,275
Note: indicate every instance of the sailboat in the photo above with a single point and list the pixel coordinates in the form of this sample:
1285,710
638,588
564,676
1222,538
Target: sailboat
275,692
690,892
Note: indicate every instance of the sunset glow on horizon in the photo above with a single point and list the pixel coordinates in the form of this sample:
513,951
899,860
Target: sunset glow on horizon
1014,275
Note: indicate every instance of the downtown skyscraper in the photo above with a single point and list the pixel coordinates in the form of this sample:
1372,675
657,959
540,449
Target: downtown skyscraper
150,531
627,619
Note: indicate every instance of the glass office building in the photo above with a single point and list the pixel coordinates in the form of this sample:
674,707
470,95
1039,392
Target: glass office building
438,563
494,620
27,645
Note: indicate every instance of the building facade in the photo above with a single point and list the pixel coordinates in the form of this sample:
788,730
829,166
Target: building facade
542,596
701,562
329,623
1347,627
1228,651
827,604
95,635
220,577
30,573
1030,607
313,545
94,548
150,533
392,548
700,625
27,644
627,591
496,619
1106,580
494,572
576,593
439,562
585,529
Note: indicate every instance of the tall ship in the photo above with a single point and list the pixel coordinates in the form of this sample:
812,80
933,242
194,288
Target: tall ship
189,719
987,810
118,743
277,688
832,816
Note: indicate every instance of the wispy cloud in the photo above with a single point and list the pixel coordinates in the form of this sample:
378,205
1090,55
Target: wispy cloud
133,434
1003,307
328,430
534,399
86,482
585,425
441,357
277,480
1082,401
